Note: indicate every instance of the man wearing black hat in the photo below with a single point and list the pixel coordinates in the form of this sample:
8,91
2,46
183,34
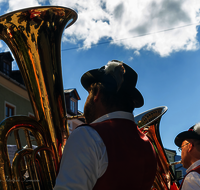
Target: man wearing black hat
189,144
109,152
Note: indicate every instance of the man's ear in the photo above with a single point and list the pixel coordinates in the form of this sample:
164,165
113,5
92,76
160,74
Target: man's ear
191,146
96,97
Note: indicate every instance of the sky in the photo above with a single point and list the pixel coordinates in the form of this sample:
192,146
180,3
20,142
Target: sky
159,39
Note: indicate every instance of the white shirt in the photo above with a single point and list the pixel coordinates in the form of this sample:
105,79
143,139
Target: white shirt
192,180
84,157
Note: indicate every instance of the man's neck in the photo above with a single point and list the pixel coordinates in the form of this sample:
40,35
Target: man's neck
193,165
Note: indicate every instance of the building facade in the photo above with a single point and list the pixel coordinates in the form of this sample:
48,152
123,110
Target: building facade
14,99
171,157
180,170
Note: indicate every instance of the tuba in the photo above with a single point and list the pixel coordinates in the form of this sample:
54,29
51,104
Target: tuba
34,37
148,122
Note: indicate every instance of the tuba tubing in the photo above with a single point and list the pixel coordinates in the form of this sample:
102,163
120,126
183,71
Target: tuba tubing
34,37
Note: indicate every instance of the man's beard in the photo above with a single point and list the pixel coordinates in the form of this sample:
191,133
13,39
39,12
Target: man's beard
89,110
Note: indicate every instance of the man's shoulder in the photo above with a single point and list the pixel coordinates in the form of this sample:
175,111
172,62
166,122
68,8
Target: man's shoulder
86,132
193,174
192,179
84,128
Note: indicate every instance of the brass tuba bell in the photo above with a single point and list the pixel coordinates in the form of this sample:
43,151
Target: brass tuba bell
149,122
34,37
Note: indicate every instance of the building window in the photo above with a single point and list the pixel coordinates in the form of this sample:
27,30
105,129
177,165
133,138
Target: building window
179,174
6,68
9,110
73,105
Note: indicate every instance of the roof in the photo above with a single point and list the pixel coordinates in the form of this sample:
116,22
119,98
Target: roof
7,55
68,91
12,80
169,150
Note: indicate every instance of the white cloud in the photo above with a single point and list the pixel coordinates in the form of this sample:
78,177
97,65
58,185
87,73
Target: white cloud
21,4
127,23
117,19
137,53
130,58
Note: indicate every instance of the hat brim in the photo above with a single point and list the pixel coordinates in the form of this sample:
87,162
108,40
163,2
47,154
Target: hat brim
90,77
138,98
95,75
185,135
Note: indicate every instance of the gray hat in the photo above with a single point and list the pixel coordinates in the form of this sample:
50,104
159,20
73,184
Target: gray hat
117,77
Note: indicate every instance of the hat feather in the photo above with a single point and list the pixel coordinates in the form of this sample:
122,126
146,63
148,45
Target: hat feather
116,70
197,128
110,67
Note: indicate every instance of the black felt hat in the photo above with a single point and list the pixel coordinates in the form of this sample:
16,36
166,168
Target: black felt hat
192,133
117,77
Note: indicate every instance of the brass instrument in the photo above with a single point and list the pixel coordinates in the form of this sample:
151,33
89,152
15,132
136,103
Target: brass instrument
75,117
34,37
175,163
148,122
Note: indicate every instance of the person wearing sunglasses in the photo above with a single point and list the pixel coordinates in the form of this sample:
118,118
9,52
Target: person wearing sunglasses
189,145
109,152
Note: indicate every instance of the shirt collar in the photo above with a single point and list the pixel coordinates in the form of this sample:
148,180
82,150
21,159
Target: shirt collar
114,115
194,165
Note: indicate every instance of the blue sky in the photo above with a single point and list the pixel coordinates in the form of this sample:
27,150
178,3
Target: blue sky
159,39
171,81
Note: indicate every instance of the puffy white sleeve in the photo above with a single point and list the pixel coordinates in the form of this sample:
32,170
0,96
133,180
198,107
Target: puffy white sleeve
84,160
191,182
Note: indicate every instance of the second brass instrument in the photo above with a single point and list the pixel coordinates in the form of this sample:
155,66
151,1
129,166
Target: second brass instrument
148,122
175,163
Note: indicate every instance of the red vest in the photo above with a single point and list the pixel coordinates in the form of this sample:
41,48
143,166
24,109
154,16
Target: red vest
197,169
131,156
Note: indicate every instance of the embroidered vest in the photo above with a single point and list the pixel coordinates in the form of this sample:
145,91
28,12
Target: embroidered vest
131,156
